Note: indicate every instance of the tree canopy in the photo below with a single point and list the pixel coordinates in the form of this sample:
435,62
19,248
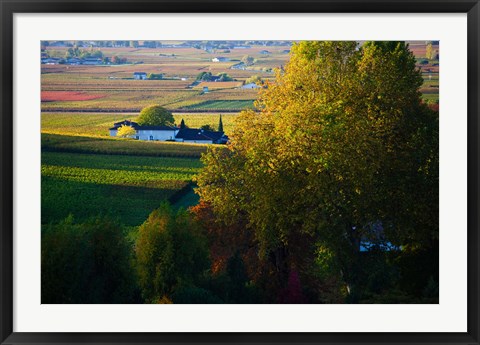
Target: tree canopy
89,262
343,151
171,253
429,51
125,131
254,79
248,60
155,115
220,124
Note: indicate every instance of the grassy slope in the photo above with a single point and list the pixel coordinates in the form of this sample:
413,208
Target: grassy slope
125,187
113,146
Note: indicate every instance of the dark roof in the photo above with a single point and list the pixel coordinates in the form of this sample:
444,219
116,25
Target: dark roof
126,123
139,73
199,134
214,135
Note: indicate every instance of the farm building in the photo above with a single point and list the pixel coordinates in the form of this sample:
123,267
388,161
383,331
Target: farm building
74,61
164,133
200,136
139,75
220,59
152,133
250,86
51,61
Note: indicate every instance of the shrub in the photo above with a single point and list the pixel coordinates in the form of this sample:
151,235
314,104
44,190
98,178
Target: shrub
171,253
87,262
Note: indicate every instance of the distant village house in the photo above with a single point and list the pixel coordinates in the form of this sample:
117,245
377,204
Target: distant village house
152,133
250,86
92,61
139,75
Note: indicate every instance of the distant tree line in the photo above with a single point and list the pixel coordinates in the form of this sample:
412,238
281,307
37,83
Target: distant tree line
208,76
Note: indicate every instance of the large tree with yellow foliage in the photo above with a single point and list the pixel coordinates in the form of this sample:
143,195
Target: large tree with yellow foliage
342,147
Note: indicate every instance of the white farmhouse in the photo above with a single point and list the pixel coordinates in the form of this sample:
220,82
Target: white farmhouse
220,59
250,86
139,75
151,133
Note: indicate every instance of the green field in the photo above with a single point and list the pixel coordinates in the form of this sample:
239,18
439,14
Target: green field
113,146
237,105
125,187
433,97
96,124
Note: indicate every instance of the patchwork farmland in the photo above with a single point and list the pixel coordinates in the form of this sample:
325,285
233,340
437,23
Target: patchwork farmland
128,178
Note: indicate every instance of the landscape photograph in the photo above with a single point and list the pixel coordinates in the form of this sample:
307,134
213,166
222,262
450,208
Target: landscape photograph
239,172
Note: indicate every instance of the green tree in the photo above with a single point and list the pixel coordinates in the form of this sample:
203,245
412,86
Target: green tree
204,76
224,77
155,76
155,115
118,60
342,141
220,124
207,127
171,253
126,131
182,124
254,79
248,60
87,262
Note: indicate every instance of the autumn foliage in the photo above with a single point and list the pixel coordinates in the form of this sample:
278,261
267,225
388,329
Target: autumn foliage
343,152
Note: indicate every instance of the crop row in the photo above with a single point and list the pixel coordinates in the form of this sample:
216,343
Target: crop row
130,205
222,105
52,96
127,187
124,100
107,146
147,168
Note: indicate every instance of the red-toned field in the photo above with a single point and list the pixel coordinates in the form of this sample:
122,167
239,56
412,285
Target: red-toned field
56,96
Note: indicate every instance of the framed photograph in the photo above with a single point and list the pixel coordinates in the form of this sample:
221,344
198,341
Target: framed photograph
238,172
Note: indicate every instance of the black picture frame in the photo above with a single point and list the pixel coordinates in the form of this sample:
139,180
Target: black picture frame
9,7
